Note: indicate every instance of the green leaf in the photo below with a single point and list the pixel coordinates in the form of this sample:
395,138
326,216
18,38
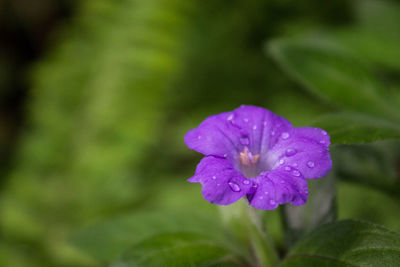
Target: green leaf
355,201
334,74
349,128
373,46
373,165
347,243
107,240
375,35
178,249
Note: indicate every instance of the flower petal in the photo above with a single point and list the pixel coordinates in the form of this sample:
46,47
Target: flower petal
278,187
261,126
221,183
226,134
215,136
306,149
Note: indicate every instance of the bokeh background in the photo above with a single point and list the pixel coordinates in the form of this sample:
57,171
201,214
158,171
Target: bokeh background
96,97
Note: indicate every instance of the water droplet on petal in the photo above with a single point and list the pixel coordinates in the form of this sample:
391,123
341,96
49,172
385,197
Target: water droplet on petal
285,135
234,186
246,119
230,117
294,164
261,197
199,137
265,123
290,152
254,127
282,182
266,193
296,173
306,192
324,133
272,133
214,177
281,161
246,182
311,164
272,202
255,186
218,184
244,141
225,155
322,142
287,168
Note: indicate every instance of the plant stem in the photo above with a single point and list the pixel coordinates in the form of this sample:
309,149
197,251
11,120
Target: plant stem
263,248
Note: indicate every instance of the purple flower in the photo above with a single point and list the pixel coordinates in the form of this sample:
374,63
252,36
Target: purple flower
255,153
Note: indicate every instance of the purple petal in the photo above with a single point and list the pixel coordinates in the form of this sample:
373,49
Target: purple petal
215,136
221,183
278,187
226,134
261,126
305,149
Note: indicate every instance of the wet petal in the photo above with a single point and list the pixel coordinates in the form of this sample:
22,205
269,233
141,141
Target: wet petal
221,183
306,149
278,187
261,126
215,136
227,134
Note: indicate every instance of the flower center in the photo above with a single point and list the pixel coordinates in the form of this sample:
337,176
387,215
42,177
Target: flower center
247,159
248,162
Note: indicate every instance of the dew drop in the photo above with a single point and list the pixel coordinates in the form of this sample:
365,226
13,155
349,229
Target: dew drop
218,184
261,197
296,173
265,123
246,182
272,202
324,133
281,161
311,164
254,127
199,137
246,119
234,186
282,182
272,133
230,117
290,152
306,192
287,168
285,135
294,164
214,177
322,142
266,193
225,155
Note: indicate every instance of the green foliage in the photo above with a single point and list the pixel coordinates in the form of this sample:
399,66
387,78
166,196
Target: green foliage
178,249
347,243
99,173
108,239
97,105
375,36
373,165
350,128
340,78
355,201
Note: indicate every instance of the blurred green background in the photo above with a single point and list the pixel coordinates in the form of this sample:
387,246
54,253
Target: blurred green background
97,95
